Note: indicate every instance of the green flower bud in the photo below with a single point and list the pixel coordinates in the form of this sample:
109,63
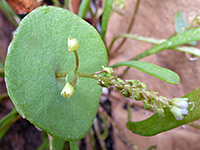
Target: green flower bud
126,93
67,91
72,44
108,70
176,112
160,112
147,105
137,96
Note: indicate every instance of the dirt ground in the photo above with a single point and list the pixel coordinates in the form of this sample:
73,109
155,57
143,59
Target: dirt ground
154,19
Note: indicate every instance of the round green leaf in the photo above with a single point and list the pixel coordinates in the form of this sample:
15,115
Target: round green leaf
38,50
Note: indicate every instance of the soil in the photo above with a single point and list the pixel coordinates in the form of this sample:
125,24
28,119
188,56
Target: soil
154,19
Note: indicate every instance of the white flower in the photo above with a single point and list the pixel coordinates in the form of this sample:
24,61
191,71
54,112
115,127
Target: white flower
180,102
72,44
67,91
179,107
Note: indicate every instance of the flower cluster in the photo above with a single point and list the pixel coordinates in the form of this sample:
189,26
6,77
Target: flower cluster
179,107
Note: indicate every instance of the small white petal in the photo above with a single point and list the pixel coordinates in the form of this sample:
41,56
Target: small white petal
176,112
184,111
182,104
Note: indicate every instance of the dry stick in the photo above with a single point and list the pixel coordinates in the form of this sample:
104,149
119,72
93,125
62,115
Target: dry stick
130,26
115,125
95,19
99,135
88,142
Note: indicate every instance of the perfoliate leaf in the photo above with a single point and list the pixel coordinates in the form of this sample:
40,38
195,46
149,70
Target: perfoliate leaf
39,50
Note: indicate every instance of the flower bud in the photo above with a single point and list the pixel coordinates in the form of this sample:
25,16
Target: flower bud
180,102
137,96
160,112
147,105
67,91
108,70
72,44
176,112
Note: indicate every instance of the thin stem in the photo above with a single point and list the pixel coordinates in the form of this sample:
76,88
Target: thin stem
129,111
67,4
130,25
91,12
8,116
76,69
50,142
7,13
197,126
116,126
136,37
57,3
97,130
166,102
95,17
10,123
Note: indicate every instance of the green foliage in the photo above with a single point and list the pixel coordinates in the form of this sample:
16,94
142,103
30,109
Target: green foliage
180,22
156,124
4,6
183,38
74,146
83,8
5,122
156,71
39,50
57,144
45,142
1,70
187,49
106,16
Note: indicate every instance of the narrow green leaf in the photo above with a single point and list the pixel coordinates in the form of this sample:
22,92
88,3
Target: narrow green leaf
156,124
45,142
185,37
191,50
57,3
8,14
156,71
32,63
57,144
74,146
83,8
7,6
180,22
106,16
4,122
67,4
